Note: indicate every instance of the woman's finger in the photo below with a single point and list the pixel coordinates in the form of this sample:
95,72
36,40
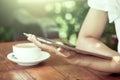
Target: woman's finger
31,37
65,53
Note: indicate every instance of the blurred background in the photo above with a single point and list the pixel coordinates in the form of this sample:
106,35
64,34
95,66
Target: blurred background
47,18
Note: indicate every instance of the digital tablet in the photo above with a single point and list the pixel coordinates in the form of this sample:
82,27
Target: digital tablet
69,47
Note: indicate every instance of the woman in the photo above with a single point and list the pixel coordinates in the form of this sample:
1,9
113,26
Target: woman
88,39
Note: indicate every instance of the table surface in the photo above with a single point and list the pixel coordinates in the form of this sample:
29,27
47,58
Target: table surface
54,68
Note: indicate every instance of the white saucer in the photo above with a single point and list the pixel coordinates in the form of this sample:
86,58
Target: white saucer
43,56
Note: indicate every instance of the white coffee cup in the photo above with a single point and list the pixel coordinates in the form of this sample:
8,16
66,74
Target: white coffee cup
26,51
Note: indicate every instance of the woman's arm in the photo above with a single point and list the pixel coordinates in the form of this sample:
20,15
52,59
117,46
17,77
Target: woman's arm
91,31
95,63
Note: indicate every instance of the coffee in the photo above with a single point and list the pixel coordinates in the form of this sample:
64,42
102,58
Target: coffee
26,51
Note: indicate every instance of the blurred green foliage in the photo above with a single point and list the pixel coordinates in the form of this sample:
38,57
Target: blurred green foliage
7,8
108,38
5,34
69,16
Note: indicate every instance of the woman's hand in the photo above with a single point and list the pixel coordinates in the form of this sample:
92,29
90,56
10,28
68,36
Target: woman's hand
43,46
49,48
32,38
69,56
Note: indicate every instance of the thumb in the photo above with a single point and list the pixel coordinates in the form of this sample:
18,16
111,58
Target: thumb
62,52
66,53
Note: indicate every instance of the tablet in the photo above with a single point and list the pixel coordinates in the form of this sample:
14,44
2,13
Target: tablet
70,47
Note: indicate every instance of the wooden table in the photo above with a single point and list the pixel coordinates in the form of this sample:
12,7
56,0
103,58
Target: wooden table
54,68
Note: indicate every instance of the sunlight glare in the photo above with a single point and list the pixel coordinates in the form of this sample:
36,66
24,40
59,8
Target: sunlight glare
98,45
69,4
68,16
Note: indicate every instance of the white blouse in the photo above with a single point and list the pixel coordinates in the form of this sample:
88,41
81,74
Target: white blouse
113,9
